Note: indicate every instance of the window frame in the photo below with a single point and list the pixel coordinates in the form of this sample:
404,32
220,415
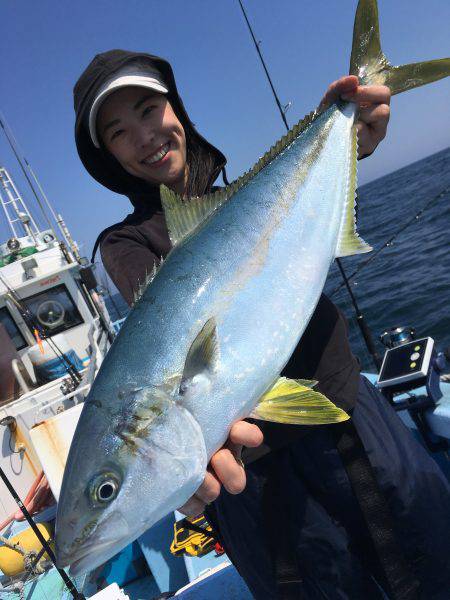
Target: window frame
8,313
61,287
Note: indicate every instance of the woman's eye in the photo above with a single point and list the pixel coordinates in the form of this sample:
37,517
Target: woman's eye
116,134
147,110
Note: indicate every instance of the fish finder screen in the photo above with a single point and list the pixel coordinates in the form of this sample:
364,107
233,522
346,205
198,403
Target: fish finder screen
406,362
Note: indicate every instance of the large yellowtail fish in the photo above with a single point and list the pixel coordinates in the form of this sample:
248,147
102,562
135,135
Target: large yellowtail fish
205,344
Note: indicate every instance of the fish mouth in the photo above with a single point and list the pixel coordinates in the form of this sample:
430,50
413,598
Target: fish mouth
89,558
94,551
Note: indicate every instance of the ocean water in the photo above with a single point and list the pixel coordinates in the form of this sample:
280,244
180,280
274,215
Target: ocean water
407,283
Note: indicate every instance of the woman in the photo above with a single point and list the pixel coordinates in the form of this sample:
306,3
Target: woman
132,134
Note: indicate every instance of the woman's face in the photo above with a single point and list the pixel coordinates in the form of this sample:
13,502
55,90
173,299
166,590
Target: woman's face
140,129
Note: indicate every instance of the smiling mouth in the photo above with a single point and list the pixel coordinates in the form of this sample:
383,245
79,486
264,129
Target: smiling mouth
157,157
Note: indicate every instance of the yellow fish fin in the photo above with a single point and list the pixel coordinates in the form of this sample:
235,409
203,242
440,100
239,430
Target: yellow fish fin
295,402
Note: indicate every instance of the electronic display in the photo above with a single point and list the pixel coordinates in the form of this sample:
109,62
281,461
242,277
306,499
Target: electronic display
407,362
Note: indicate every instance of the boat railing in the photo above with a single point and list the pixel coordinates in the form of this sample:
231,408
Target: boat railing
70,396
118,324
16,368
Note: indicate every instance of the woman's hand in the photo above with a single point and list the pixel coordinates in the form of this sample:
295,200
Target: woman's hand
224,468
373,102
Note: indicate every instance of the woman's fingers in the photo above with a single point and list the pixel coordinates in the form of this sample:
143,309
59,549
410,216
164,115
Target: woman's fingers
245,434
368,94
372,127
210,488
344,85
206,493
224,468
347,88
225,462
373,102
193,507
373,116
377,116
229,471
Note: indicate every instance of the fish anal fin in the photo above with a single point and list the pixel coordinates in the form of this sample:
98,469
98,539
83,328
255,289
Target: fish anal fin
349,242
292,402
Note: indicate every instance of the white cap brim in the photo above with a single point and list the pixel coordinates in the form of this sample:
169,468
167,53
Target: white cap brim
144,81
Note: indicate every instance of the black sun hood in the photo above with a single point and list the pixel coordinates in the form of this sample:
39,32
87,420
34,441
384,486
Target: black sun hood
102,166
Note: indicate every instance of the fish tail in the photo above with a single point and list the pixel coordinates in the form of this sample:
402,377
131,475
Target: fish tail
372,67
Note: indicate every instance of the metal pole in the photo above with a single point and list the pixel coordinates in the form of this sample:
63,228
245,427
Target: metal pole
47,201
16,154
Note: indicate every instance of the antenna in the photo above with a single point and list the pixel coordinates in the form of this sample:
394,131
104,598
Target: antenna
27,170
15,209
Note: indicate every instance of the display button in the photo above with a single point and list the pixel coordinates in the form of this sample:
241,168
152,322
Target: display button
414,356
412,365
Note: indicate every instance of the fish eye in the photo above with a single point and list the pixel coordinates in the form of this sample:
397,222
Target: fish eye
104,488
107,491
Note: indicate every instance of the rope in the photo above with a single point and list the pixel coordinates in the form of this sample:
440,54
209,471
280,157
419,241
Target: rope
391,239
14,546
31,558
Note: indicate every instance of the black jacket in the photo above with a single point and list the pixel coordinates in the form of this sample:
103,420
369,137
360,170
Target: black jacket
130,248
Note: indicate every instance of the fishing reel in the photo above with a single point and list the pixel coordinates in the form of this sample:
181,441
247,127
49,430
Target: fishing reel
409,364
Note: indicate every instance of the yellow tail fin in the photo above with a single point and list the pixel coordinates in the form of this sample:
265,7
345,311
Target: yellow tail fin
372,67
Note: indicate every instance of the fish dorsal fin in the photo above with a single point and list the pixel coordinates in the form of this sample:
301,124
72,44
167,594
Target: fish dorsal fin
142,286
203,353
295,402
184,215
349,242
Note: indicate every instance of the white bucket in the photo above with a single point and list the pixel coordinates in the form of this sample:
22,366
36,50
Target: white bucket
38,357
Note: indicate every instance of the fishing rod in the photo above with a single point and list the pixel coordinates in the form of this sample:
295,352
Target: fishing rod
367,336
68,582
110,296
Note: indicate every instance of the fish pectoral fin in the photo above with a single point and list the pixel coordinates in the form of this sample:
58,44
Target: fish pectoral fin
295,402
203,353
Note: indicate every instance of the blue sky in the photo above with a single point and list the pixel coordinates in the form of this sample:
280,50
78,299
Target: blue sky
45,45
